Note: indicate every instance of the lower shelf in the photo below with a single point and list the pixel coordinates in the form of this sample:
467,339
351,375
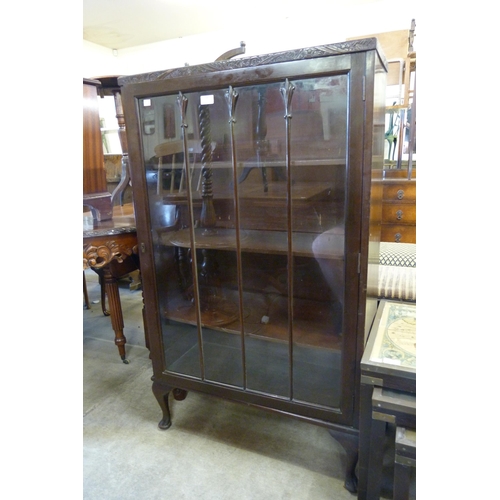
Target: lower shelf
303,373
315,323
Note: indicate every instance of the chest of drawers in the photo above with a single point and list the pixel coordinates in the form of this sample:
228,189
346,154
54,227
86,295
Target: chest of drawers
399,209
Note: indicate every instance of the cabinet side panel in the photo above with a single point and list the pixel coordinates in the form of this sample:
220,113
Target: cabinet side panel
143,223
376,189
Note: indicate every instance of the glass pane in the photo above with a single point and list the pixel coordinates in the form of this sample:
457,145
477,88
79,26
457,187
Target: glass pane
260,154
164,157
318,168
215,237
196,190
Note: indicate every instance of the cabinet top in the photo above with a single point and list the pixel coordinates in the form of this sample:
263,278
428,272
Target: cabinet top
348,47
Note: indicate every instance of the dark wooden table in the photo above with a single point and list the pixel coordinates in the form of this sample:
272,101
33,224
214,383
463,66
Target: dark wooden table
110,249
389,364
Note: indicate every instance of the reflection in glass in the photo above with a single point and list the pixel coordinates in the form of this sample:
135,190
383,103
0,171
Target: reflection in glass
318,168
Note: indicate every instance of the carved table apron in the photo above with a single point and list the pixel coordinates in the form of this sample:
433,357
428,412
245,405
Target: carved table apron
110,249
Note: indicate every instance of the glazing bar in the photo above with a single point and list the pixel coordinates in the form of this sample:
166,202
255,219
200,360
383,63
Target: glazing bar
287,93
232,98
182,101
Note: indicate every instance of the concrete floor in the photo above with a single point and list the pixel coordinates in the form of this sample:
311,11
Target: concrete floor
215,449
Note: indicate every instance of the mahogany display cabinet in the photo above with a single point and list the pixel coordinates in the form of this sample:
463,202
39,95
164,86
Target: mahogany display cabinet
258,220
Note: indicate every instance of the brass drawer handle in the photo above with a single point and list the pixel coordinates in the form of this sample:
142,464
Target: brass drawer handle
397,237
400,194
399,214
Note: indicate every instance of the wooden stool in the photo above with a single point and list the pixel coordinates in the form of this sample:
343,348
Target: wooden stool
405,458
388,406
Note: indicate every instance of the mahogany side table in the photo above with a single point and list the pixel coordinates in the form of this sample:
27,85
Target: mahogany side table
110,249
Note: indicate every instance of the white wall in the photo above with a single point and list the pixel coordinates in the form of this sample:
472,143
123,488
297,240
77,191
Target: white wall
98,61
315,26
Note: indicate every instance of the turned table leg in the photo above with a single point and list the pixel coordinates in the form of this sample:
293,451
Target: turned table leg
115,311
100,273
85,292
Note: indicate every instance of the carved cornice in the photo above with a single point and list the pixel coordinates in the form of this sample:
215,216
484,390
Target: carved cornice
99,256
260,60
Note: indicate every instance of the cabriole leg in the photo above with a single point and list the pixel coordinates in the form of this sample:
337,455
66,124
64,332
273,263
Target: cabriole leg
350,444
161,394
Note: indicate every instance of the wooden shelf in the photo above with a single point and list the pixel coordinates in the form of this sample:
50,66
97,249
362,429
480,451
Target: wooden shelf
327,245
313,323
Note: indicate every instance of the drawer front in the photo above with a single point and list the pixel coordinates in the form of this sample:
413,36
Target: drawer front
399,233
400,191
399,213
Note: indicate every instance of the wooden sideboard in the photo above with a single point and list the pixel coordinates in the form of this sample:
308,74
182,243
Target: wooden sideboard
109,87
95,193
